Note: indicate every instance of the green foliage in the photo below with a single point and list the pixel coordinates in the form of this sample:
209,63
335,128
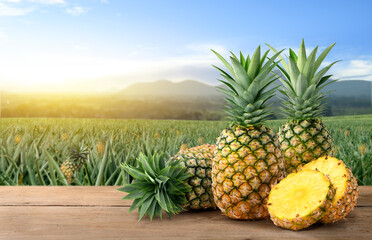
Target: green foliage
32,150
44,145
159,185
302,83
247,82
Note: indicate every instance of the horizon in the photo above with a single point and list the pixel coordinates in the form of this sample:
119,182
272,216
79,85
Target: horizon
99,46
103,92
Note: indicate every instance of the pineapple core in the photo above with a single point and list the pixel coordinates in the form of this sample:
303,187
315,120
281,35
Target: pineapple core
336,171
298,194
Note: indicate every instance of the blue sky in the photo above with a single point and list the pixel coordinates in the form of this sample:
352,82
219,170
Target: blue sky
105,44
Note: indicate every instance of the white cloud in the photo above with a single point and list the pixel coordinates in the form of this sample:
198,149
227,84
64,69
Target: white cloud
353,70
6,10
76,11
10,1
50,2
105,1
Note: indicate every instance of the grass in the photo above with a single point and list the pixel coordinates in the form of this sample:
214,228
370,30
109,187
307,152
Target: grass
31,150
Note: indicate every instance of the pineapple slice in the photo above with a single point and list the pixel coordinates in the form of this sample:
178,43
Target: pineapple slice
345,183
300,199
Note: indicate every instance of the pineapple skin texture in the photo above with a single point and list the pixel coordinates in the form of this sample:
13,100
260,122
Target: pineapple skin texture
68,167
302,142
198,163
299,223
246,165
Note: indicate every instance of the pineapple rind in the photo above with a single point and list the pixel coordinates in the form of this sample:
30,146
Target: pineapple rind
304,221
345,201
303,141
198,163
246,165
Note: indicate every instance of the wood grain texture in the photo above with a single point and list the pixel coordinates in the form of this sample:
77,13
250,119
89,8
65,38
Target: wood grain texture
99,213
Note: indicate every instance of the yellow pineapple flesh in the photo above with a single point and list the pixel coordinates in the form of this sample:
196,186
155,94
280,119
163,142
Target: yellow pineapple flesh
345,183
300,199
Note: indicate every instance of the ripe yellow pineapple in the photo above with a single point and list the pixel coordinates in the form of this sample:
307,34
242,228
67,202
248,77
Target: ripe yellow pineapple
304,137
344,182
198,163
247,160
64,136
100,147
300,199
157,135
17,138
78,155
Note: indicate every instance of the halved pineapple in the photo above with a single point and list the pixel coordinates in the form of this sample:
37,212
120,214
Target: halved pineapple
345,183
300,199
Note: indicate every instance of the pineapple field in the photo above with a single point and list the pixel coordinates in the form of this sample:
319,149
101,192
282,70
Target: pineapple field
32,151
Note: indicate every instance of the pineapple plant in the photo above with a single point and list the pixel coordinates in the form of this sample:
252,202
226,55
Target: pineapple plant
247,160
18,135
73,164
301,199
345,183
304,137
182,182
17,138
100,146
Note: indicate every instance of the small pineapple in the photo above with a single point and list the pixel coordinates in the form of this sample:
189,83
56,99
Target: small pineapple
18,135
198,163
157,135
72,165
247,160
180,183
345,183
64,136
100,147
17,138
304,137
300,199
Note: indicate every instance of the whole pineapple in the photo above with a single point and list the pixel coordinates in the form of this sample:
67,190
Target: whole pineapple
182,182
198,163
72,165
247,160
304,137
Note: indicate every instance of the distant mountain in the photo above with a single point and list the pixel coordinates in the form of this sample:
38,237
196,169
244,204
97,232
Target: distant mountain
358,89
165,88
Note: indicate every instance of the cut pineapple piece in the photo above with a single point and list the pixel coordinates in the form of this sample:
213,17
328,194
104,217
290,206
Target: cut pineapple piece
300,200
345,183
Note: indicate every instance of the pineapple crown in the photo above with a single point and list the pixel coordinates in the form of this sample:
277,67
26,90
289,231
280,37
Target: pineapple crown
78,153
158,185
302,83
247,87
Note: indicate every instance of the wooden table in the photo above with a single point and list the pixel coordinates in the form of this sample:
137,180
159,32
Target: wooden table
99,213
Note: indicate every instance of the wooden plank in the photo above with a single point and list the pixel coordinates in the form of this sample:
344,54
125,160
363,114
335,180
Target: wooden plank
62,196
92,196
97,222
